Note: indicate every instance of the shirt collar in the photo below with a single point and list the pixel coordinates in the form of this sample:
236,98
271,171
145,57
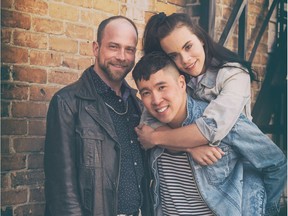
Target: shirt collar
102,88
189,105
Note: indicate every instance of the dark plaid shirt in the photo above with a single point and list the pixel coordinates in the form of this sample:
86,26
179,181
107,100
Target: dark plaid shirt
131,167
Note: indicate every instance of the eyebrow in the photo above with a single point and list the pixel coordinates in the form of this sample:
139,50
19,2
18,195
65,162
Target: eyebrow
157,84
186,44
117,44
172,53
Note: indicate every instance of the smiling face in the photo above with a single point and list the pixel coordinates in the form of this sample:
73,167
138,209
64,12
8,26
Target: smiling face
186,50
115,55
164,96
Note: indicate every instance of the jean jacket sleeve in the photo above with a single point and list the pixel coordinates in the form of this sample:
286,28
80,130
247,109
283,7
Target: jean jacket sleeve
62,197
148,119
229,96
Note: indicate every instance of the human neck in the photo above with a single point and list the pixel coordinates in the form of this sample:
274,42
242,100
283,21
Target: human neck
180,116
114,85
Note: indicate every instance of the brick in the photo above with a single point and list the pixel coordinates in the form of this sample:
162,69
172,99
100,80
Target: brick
31,209
139,47
86,49
79,32
32,6
14,127
78,63
218,11
28,74
262,48
6,34
14,55
13,162
5,180
29,39
262,3
12,197
64,12
5,109
124,10
63,78
6,4
42,93
14,91
15,19
29,144
47,25
148,15
92,18
181,3
226,13
254,9
83,3
37,194
28,109
35,161
229,2
232,42
110,6
251,20
264,59
37,127
45,58
257,59
5,72
27,178
167,8
5,145
63,45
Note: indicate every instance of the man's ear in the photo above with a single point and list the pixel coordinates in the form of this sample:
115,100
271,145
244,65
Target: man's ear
182,82
95,48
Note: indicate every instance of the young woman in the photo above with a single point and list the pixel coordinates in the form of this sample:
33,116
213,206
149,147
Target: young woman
215,75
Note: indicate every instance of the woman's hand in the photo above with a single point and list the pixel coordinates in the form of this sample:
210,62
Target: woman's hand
206,155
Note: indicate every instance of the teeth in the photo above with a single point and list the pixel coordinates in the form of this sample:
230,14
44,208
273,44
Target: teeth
192,65
161,110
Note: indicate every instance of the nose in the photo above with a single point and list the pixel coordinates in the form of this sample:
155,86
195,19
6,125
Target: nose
185,57
156,99
121,54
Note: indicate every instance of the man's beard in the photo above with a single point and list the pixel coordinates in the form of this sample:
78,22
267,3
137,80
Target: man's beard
115,76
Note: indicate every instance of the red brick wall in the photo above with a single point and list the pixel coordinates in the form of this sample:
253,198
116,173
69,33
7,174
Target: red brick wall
45,46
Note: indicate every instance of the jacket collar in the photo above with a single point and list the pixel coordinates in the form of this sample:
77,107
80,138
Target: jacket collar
209,78
89,92
96,109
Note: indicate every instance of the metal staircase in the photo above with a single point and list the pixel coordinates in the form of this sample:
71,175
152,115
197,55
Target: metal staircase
270,109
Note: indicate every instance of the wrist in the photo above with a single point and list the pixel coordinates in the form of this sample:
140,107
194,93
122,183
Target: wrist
154,138
158,138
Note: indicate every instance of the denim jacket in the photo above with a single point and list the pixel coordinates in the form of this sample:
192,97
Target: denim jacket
228,91
221,184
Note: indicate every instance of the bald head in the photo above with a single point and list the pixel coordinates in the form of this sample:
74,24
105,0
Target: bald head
115,20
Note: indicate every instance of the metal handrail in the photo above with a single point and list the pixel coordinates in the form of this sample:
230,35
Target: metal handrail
263,27
236,13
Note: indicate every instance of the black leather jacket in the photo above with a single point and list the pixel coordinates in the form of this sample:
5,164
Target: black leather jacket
82,154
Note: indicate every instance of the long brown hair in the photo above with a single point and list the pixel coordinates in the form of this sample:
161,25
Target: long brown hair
160,26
